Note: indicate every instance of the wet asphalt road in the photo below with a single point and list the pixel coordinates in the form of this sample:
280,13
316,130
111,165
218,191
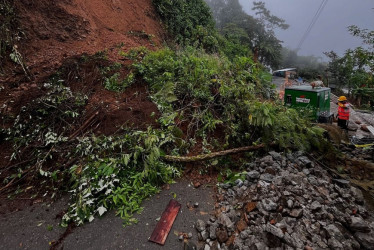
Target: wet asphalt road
36,226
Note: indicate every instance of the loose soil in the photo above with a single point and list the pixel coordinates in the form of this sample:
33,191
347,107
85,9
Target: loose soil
58,37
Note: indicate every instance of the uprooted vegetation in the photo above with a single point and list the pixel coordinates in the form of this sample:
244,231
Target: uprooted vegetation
100,129
202,99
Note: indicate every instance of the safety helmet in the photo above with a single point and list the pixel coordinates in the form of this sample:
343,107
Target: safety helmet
342,98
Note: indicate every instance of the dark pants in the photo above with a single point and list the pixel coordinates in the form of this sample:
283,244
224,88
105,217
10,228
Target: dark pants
343,123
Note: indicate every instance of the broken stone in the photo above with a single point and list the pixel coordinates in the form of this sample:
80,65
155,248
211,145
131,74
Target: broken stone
334,232
296,213
293,240
239,183
315,206
276,156
359,225
224,220
357,194
334,244
269,205
212,230
274,230
267,177
305,161
290,203
365,240
204,235
253,175
200,225
245,234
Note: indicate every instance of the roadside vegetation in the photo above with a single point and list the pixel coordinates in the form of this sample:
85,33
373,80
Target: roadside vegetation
354,70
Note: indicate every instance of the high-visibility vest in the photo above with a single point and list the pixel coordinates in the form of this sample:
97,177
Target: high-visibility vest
343,113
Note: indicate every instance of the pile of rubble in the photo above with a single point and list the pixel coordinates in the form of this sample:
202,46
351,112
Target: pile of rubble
288,202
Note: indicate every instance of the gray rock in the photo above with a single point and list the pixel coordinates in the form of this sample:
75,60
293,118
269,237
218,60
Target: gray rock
260,246
334,232
365,240
224,220
357,194
267,177
305,161
204,235
200,225
253,175
313,180
238,243
334,244
207,247
286,193
296,213
359,225
245,234
274,230
315,206
269,205
293,240
278,180
250,240
212,230
239,183
290,203
276,156
306,171
268,160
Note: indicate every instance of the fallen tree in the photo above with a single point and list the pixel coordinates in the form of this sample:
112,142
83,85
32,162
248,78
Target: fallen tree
210,156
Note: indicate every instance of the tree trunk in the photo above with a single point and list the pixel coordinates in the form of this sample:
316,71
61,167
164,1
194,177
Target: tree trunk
205,157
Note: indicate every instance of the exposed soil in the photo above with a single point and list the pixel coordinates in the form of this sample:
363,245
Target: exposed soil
58,38
56,30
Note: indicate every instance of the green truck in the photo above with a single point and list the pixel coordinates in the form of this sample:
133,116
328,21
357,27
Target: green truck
312,102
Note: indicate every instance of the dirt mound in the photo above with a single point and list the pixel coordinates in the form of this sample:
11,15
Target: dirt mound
56,30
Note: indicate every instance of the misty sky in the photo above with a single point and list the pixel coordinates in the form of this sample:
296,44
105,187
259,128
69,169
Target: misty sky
329,32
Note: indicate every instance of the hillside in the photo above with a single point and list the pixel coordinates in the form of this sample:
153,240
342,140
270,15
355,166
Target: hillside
56,37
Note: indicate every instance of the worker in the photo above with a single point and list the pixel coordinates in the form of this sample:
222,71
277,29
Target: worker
343,112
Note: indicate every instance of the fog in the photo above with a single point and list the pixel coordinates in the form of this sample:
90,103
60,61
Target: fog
329,32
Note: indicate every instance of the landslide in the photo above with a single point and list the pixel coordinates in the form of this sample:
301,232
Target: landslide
74,42
53,33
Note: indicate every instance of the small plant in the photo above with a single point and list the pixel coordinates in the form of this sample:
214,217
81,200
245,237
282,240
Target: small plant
113,83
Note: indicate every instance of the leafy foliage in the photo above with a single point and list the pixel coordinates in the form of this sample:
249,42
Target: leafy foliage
259,29
189,22
208,91
285,127
118,173
355,68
